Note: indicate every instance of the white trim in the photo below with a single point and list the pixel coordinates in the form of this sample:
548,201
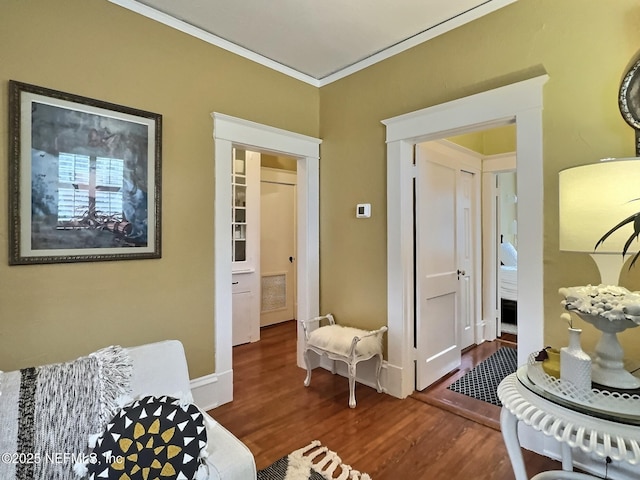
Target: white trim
229,132
211,390
520,102
444,27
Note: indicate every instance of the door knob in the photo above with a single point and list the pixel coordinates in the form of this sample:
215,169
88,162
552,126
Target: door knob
290,259
461,272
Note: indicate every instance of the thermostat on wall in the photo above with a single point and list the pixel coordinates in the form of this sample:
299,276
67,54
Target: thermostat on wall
363,210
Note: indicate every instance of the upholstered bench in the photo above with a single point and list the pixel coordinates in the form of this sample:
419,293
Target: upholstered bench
346,344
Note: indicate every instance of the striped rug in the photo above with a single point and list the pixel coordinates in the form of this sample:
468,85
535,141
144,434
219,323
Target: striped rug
313,462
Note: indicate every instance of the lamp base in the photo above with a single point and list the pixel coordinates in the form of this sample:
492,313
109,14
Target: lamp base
608,367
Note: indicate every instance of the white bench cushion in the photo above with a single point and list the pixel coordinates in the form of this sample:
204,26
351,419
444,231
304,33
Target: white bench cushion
337,339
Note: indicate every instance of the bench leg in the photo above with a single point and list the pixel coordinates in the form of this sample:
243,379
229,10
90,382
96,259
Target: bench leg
307,381
378,369
352,385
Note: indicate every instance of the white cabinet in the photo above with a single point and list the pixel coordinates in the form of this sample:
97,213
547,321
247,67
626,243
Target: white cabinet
245,328
245,238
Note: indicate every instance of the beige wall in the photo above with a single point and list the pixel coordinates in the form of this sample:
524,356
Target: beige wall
585,46
97,49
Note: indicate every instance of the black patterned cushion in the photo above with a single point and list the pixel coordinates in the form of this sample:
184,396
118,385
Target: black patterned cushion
155,437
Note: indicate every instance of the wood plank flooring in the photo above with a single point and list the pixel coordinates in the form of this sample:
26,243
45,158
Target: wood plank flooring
388,438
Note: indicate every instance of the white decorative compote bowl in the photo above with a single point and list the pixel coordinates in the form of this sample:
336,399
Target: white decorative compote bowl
611,309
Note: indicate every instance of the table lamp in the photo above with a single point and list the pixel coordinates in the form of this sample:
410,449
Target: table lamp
594,199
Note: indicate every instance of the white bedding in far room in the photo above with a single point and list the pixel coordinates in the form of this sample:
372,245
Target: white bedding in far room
509,282
508,275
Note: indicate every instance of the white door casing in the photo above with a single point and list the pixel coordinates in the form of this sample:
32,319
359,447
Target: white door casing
520,103
228,132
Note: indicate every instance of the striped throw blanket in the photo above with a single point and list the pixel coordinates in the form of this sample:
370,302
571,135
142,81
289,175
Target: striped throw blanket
47,413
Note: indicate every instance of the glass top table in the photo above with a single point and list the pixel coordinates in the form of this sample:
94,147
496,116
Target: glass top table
612,406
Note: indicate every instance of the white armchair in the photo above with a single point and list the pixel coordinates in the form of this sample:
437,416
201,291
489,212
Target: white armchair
345,344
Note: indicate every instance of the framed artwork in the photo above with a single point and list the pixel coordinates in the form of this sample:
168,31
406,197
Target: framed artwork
84,179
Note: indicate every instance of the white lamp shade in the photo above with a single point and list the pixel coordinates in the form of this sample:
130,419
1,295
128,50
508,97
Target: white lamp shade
593,199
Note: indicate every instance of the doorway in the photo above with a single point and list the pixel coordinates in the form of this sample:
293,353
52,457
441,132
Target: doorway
519,103
229,132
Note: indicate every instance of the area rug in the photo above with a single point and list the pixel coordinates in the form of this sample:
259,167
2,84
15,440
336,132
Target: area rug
313,462
482,381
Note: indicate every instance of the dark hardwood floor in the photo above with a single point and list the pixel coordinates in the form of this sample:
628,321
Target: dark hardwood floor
388,438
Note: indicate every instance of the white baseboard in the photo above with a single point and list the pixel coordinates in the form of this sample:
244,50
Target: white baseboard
212,390
395,383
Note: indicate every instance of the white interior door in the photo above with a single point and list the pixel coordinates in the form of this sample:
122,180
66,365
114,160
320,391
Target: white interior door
465,194
277,246
445,260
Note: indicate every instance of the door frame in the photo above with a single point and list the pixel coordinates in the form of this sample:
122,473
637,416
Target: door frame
520,103
228,132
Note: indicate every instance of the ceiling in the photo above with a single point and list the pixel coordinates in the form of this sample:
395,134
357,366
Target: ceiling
317,41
